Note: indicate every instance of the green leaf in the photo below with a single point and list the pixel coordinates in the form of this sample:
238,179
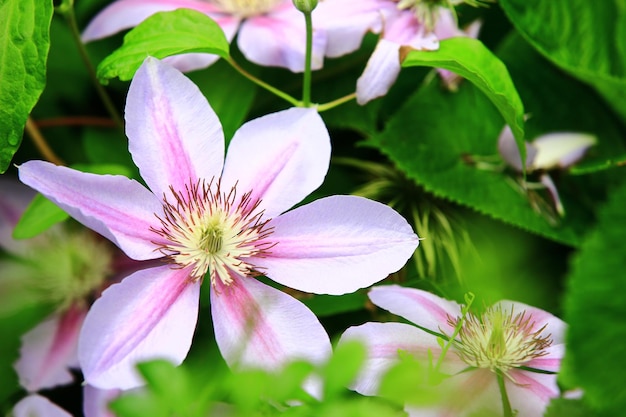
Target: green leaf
39,216
471,59
24,44
164,34
585,38
342,368
595,311
436,138
562,407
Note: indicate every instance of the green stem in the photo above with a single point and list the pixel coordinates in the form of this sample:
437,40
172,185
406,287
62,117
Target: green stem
263,84
68,13
506,404
469,298
306,81
335,103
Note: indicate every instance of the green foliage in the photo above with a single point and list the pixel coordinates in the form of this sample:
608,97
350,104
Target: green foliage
164,34
24,44
472,60
561,407
594,308
586,39
39,216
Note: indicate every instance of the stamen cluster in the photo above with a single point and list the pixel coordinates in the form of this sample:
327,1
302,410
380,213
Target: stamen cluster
211,230
246,8
499,339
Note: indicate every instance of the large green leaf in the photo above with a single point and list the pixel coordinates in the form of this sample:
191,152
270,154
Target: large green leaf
435,134
585,38
595,311
472,60
24,44
164,34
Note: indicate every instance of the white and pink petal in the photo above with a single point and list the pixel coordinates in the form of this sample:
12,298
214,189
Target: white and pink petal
257,326
336,245
118,208
175,137
38,406
280,158
151,314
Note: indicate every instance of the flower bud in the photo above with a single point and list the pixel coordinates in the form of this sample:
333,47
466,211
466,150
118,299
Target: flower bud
305,6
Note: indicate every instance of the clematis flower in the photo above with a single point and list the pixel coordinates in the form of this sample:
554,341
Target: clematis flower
35,405
545,153
416,24
269,32
202,215
521,343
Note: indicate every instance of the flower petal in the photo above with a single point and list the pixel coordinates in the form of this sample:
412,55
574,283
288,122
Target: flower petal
150,314
531,392
280,158
118,208
49,350
380,73
560,150
257,326
38,406
551,361
124,14
174,135
15,199
96,401
278,39
347,21
337,245
383,341
420,307
507,147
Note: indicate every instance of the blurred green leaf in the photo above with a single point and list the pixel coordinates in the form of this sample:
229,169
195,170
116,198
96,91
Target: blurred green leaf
24,44
39,216
164,34
138,405
595,311
562,407
342,368
471,59
585,38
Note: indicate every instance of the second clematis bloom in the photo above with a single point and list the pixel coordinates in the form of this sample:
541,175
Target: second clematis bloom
225,219
269,32
520,344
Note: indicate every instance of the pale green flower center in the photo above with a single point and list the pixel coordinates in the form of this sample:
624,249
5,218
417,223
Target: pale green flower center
210,230
70,266
499,339
247,8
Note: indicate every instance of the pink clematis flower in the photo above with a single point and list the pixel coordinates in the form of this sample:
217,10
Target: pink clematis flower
203,214
270,32
405,23
508,338
35,405
545,153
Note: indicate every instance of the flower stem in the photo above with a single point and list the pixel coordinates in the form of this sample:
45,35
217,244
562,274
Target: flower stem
306,81
70,17
263,84
335,103
469,299
40,143
506,404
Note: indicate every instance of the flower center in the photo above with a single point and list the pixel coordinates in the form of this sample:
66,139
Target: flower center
207,229
500,339
247,8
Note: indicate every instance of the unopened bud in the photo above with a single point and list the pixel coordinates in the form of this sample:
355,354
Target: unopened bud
305,6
